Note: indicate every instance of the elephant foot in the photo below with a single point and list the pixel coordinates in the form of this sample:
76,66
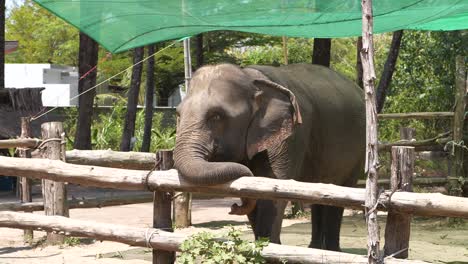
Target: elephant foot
247,206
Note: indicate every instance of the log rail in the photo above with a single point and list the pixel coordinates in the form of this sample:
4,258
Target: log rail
162,240
428,204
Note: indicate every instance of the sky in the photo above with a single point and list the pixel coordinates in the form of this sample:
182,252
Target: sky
11,3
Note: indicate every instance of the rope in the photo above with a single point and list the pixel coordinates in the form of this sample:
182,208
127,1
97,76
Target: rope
156,165
49,140
110,78
149,236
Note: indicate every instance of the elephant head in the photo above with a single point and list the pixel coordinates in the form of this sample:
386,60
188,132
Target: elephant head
229,115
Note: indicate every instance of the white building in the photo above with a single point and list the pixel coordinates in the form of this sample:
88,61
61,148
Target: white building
60,82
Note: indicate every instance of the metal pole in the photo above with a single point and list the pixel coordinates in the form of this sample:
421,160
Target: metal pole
187,63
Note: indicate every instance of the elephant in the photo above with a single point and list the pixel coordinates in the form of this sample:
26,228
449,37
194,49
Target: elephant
301,121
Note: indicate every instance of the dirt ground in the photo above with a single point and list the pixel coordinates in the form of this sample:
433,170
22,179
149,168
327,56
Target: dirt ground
432,239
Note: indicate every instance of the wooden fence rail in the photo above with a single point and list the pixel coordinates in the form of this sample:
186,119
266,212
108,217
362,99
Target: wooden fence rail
162,240
431,204
81,203
417,115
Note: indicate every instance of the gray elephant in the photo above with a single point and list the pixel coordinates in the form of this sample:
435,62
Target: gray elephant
303,122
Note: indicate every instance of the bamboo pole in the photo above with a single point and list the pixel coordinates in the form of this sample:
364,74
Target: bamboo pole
81,203
434,204
417,115
25,183
113,159
162,240
162,208
182,203
398,226
54,192
372,159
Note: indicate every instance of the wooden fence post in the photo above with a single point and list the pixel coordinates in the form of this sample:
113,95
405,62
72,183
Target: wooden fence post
372,160
162,208
25,183
397,230
407,133
54,193
454,184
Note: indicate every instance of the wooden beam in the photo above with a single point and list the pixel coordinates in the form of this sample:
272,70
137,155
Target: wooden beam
25,183
398,226
81,203
54,192
417,115
434,204
420,181
162,208
162,240
112,159
455,187
438,141
372,158
20,143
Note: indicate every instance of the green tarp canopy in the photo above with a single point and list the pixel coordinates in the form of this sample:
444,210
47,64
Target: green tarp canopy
119,25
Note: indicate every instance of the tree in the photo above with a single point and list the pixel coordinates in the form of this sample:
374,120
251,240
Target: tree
130,117
322,50
149,99
2,44
359,62
423,81
389,68
88,59
199,50
42,36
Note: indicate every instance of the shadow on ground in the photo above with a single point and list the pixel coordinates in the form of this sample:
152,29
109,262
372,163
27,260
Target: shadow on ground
220,224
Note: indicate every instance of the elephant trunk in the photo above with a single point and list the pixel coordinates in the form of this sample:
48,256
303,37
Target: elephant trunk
192,162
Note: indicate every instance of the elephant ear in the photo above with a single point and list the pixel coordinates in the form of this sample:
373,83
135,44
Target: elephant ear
276,114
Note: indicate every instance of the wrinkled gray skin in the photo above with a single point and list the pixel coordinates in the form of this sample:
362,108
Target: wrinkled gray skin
240,122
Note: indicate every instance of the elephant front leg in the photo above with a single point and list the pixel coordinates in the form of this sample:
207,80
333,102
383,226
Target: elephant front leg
267,218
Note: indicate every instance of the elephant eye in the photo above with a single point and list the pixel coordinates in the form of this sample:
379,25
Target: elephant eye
215,116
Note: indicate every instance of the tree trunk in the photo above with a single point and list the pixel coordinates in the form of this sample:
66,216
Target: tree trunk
199,50
359,62
149,100
88,58
372,157
2,44
130,117
388,70
321,53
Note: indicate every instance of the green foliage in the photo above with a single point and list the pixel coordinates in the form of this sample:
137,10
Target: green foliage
107,127
204,248
423,81
72,241
43,37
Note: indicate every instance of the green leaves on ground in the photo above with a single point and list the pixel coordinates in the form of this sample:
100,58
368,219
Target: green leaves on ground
204,248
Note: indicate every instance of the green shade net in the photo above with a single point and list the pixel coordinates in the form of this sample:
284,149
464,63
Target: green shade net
119,25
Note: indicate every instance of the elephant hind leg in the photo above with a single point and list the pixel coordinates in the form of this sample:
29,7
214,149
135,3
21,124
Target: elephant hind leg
326,224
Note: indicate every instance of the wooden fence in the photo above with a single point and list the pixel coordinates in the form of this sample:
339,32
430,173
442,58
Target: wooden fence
132,171
169,181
